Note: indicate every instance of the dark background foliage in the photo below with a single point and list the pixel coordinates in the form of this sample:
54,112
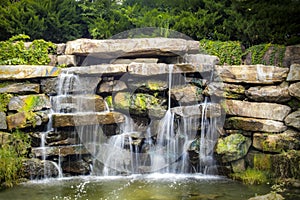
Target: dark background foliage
249,21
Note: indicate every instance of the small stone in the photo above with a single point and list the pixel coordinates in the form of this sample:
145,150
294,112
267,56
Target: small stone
68,60
293,119
294,90
294,73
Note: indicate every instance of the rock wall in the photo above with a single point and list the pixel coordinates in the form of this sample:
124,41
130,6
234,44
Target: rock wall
261,129
262,103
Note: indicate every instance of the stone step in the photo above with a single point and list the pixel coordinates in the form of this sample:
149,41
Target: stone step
59,151
212,110
86,118
77,103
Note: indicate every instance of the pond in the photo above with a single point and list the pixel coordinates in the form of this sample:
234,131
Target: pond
135,187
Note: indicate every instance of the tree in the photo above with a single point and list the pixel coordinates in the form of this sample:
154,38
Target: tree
55,20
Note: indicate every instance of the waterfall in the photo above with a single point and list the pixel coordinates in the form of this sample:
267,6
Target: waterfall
164,145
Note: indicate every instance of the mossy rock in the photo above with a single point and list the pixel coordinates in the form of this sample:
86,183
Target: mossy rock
233,147
28,103
139,104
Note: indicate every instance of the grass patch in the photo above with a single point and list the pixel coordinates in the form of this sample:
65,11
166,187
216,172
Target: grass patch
251,176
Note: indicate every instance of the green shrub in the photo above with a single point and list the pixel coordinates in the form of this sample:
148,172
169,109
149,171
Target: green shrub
11,156
14,52
228,52
258,53
4,100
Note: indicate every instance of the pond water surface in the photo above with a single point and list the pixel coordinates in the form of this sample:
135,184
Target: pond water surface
135,187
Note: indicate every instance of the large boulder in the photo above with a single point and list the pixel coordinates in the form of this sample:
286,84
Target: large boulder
277,143
255,74
277,94
270,196
139,104
37,169
12,72
253,124
233,147
186,94
26,119
76,167
137,47
293,119
257,110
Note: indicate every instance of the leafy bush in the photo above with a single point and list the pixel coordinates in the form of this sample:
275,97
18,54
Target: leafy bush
228,52
14,52
12,154
258,53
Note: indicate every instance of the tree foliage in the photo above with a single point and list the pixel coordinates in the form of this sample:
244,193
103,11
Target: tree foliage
249,21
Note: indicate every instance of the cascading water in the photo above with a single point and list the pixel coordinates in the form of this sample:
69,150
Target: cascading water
166,145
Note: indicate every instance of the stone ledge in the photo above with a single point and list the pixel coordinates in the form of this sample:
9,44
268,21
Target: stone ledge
81,119
253,74
136,47
253,124
60,151
271,111
12,72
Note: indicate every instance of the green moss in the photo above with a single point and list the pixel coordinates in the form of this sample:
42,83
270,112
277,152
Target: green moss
4,100
140,102
156,85
31,102
294,103
229,144
251,176
109,101
262,162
